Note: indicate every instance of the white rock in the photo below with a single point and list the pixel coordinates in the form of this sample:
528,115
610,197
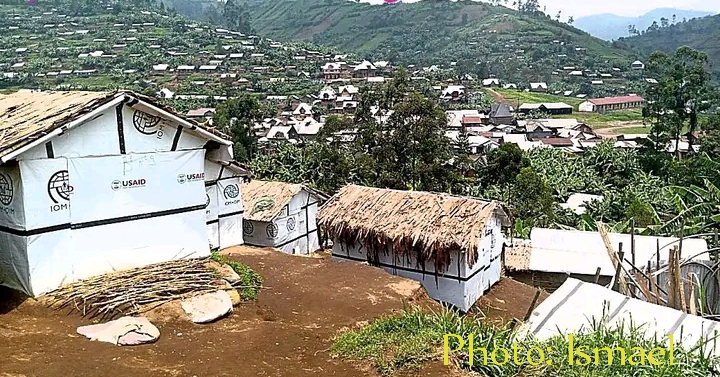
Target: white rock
125,331
208,307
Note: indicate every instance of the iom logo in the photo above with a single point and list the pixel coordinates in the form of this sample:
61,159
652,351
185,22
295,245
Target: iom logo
231,191
6,189
128,183
59,190
290,224
271,230
147,124
248,227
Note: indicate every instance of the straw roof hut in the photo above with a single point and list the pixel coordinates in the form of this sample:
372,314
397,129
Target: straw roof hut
281,215
428,226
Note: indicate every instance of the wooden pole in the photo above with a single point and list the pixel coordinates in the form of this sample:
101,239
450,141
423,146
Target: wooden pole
618,270
597,275
657,262
632,243
692,299
532,305
613,258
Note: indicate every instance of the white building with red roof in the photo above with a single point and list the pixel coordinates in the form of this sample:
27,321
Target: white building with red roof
601,105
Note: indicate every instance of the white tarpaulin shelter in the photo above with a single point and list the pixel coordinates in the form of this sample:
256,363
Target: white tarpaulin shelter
93,182
281,215
579,252
571,308
451,244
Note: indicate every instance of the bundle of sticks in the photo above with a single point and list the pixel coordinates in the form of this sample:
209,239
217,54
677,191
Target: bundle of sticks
134,291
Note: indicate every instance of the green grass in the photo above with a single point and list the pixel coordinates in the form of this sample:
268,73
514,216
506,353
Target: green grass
251,280
514,96
606,120
634,130
407,341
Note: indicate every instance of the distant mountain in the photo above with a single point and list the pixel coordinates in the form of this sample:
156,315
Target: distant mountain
701,33
476,37
609,26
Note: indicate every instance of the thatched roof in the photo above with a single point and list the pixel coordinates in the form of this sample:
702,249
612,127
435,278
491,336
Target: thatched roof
424,224
26,116
264,200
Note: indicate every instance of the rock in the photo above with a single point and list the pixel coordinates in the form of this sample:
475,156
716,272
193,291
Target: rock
125,331
208,307
234,296
228,273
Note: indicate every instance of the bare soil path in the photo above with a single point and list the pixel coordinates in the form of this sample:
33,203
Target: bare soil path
287,332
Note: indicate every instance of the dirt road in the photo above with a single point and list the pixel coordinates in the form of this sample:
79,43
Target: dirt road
287,332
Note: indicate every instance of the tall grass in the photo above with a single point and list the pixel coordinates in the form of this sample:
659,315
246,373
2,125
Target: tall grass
407,341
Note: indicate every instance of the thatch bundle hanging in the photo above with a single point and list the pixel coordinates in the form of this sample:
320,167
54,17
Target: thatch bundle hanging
426,225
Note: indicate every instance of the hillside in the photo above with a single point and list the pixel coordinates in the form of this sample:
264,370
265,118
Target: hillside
610,26
107,45
481,38
702,34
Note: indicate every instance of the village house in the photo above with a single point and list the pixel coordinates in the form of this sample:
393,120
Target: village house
637,64
201,114
281,215
331,71
603,105
90,151
491,82
453,93
500,113
451,244
552,108
364,70
302,111
538,87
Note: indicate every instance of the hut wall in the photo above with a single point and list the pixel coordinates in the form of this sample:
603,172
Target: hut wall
460,285
293,231
91,215
224,211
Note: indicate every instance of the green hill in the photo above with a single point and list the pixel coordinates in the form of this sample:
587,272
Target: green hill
101,45
700,33
481,38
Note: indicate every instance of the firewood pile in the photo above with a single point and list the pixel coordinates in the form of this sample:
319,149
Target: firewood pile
138,290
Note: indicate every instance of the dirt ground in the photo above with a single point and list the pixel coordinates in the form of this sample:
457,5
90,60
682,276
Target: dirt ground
287,332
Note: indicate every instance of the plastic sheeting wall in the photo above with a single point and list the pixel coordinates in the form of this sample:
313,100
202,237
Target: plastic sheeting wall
461,285
224,212
579,252
118,130
293,231
571,308
91,215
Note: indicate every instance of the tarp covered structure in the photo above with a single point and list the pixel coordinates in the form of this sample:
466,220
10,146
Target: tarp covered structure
575,305
281,215
93,182
580,252
451,244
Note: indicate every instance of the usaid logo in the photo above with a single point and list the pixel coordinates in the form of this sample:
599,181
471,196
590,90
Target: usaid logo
127,184
182,178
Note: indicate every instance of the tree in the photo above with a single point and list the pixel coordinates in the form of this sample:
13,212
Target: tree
664,22
237,17
532,200
571,20
237,116
682,93
710,142
503,165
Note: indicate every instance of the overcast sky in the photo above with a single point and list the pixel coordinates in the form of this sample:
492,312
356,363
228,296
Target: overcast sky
619,7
